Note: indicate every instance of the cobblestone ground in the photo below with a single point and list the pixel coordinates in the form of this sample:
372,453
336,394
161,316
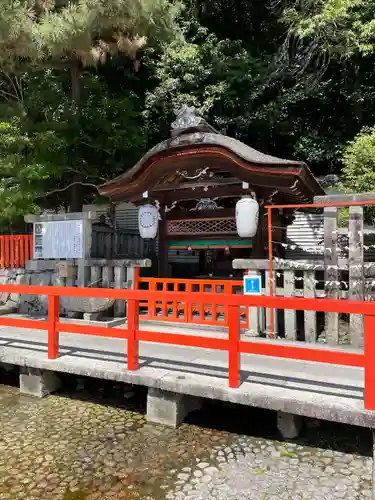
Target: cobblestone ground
93,443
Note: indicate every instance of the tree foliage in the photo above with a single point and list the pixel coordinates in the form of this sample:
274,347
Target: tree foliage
358,174
294,79
246,89
41,153
336,28
74,34
54,32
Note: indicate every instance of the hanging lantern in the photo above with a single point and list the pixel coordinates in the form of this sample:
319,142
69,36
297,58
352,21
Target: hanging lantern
148,219
227,250
247,217
189,249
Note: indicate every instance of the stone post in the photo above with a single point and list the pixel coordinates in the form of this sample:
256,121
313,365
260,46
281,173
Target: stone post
169,408
120,277
256,316
356,278
83,272
38,383
331,273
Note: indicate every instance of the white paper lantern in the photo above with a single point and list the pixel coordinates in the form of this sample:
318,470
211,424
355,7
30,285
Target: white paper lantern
148,220
247,217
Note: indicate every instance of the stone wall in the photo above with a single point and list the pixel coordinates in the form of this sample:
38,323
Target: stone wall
96,273
26,304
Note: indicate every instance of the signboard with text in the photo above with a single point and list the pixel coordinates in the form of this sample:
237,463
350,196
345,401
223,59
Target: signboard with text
59,240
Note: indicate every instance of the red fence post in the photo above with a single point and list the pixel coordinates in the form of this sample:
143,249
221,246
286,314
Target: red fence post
21,244
53,334
2,251
369,347
234,346
6,252
133,327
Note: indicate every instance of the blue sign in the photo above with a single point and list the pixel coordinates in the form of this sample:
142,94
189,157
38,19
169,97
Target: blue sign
252,285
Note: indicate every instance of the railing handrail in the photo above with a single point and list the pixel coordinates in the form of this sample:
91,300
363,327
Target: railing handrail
265,301
234,345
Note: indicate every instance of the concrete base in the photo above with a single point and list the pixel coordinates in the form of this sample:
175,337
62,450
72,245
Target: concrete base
169,408
38,383
192,326
91,316
73,315
288,424
104,322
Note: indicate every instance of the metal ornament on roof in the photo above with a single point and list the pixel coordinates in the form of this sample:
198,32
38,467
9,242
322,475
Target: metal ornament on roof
186,117
206,204
200,172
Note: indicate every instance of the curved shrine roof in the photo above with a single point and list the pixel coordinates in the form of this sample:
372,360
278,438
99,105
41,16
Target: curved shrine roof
195,146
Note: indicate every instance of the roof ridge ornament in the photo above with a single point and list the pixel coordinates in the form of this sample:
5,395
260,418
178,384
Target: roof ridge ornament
186,117
206,204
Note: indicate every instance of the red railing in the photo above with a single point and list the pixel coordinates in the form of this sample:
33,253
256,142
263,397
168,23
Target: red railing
233,344
203,313
15,250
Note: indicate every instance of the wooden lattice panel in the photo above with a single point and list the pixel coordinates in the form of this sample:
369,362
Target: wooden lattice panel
202,226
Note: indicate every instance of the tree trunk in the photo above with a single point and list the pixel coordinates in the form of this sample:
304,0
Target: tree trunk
76,195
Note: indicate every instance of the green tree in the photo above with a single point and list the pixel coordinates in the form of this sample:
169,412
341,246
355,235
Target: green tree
73,34
232,73
358,174
36,143
334,28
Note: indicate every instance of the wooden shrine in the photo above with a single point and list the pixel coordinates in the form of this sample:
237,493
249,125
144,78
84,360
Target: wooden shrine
196,177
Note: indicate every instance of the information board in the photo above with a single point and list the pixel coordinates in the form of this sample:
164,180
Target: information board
252,285
59,240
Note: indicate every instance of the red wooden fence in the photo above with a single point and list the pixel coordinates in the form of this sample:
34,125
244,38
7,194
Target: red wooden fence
233,344
203,313
15,250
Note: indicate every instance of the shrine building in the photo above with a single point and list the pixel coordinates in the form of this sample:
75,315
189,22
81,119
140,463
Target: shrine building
195,178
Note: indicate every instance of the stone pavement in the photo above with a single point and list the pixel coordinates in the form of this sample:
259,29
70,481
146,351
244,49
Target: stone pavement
315,390
259,469
91,442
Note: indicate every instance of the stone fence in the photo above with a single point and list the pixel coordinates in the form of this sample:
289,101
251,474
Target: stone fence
310,279
95,273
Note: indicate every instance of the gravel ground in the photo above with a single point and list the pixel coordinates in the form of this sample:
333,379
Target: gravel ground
92,442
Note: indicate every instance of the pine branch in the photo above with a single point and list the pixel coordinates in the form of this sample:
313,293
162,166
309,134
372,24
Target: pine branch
85,184
103,179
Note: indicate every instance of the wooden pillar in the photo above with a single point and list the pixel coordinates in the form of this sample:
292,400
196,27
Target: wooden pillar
257,315
202,262
163,244
259,238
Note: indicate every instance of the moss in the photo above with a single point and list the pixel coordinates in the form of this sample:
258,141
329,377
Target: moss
260,471
286,453
75,495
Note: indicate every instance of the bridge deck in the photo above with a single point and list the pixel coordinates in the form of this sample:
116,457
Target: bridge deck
316,390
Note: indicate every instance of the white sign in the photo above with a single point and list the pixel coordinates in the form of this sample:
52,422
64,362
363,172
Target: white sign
59,240
252,285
